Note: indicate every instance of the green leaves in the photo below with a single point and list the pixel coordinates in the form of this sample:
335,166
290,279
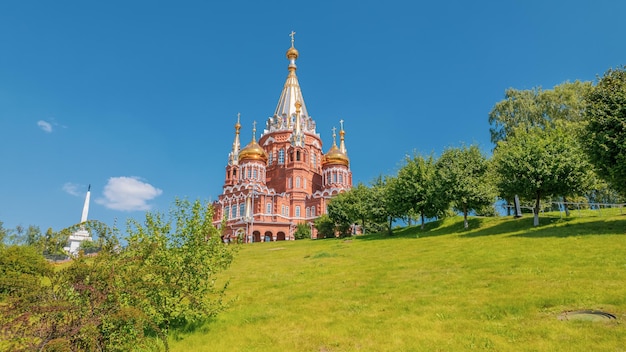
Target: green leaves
604,138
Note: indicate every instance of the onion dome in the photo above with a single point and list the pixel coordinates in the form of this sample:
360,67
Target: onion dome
253,150
292,53
335,156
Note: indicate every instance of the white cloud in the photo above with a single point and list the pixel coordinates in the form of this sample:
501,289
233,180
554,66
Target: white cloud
72,188
128,194
45,126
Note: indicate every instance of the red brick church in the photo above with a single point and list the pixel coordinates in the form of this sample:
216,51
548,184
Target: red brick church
285,178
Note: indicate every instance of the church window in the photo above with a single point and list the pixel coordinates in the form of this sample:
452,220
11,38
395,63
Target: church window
234,172
298,155
340,178
227,212
270,158
314,160
298,182
334,177
308,212
268,208
312,211
281,156
256,174
249,173
289,183
233,210
242,209
297,211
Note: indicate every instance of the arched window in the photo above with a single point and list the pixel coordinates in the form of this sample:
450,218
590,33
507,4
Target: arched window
298,155
268,208
227,212
314,160
270,158
340,178
233,210
308,212
313,211
298,182
297,211
255,173
281,156
242,209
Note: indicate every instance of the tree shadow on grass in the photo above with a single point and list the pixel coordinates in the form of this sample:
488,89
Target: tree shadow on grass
181,329
433,228
549,226
552,227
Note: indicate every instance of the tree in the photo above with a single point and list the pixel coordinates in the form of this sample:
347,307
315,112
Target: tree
536,163
340,212
303,230
164,276
538,108
463,177
415,190
170,263
325,227
604,137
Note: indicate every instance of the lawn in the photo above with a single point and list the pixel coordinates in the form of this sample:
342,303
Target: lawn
499,286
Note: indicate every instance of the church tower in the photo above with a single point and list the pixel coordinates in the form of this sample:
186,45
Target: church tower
284,179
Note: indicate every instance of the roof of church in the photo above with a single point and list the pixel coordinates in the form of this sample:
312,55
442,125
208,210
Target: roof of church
291,90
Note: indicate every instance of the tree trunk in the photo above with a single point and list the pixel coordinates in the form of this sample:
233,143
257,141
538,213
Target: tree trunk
536,210
390,230
565,206
422,216
465,224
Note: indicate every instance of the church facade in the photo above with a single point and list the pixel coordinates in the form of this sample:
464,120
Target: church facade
284,179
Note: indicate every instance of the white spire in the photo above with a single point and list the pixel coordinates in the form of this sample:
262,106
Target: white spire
83,218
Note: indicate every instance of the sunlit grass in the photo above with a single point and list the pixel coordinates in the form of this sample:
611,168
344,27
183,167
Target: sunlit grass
498,286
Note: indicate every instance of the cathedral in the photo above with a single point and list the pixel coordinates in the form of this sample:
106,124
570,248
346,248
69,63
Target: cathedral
284,179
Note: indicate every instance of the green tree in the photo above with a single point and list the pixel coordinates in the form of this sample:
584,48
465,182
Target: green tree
171,262
604,137
538,108
303,230
415,189
325,226
341,213
537,163
464,181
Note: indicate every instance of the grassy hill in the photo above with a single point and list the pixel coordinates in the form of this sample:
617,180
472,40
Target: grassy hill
499,286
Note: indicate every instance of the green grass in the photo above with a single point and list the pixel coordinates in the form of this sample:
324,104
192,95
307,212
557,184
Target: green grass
496,287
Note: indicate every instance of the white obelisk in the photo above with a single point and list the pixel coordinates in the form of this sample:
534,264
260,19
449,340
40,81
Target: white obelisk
80,235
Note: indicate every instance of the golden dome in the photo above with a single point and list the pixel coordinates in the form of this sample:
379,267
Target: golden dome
336,156
253,151
292,53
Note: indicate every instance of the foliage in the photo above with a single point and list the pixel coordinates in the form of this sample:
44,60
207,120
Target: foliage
605,135
170,264
341,213
303,230
462,174
538,108
415,189
21,270
536,163
164,276
325,226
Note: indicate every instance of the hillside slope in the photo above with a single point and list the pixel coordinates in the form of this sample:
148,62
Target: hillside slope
499,286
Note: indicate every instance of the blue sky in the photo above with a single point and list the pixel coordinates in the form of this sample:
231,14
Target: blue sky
139,98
